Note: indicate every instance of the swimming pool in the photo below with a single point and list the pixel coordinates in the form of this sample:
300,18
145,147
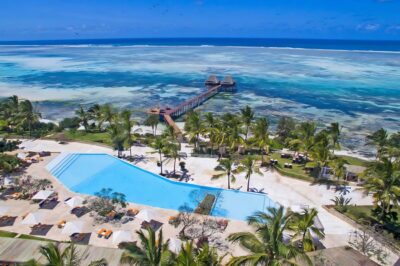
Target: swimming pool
89,173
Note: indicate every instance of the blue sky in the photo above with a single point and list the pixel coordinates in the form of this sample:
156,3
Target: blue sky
85,19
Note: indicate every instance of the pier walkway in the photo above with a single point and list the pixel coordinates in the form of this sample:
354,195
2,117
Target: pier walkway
168,114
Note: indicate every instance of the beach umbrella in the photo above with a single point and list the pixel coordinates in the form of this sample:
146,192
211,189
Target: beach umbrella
34,218
42,195
73,227
122,236
147,215
4,209
75,201
175,245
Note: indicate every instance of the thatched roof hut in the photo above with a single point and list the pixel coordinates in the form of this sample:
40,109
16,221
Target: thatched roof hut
212,80
228,81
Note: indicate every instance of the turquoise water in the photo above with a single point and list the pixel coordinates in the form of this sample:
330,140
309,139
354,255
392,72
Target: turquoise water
89,173
358,89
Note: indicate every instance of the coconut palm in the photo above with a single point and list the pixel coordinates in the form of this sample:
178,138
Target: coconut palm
153,251
211,124
127,124
95,112
234,138
56,257
83,118
28,115
194,127
249,166
380,139
117,137
303,226
159,145
320,150
152,121
267,245
247,117
383,181
187,255
172,149
334,132
108,113
204,256
261,136
306,135
226,165
338,167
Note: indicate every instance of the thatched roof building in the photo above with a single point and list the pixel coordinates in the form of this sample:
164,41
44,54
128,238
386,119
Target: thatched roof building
212,80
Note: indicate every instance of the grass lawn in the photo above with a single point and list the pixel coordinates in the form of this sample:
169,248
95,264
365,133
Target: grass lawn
7,234
353,160
97,137
296,172
363,213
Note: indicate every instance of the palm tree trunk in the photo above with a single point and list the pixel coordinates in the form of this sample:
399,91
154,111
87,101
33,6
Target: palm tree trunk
229,181
174,165
248,184
161,171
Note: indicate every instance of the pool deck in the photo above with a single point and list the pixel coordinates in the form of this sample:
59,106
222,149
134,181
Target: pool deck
286,191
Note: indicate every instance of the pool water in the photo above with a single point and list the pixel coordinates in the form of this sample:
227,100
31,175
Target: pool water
89,173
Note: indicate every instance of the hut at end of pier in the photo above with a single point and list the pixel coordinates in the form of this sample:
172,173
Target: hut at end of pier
212,81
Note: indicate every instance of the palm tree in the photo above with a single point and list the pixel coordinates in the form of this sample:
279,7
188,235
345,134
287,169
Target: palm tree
68,257
338,167
267,245
117,137
108,113
380,139
172,149
95,112
83,118
211,128
187,255
261,136
234,137
28,115
153,251
159,145
203,256
306,134
127,124
320,150
334,132
194,127
304,228
152,121
226,165
208,256
249,167
383,181
247,117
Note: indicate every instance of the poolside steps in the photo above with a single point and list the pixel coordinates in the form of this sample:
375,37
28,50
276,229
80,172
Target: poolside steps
62,163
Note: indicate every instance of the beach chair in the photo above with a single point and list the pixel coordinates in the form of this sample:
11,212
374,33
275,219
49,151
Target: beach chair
111,214
101,232
61,223
132,212
108,234
222,224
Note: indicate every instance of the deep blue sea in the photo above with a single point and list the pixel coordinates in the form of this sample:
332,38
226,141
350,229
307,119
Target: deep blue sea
356,83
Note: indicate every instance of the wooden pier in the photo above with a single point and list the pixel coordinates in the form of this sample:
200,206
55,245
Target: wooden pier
214,86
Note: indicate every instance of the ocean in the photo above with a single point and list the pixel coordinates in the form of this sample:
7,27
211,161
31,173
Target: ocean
356,83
